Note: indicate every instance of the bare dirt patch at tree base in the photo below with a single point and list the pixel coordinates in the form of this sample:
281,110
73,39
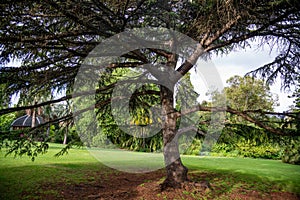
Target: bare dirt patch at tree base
120,185
151,191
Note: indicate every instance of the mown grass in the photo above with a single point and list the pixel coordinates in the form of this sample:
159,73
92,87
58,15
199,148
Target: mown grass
261,173
21,175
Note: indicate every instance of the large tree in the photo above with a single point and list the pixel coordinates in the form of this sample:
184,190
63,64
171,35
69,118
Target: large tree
246,94
51,38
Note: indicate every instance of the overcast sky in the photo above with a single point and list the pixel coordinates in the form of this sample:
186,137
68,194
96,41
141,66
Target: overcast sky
237,63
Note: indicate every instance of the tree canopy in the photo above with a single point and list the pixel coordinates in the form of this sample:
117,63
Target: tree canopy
52,38
247,94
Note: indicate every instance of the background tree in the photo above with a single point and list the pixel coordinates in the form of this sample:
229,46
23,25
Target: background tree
240,137
53,37
245,94
291,152
296,95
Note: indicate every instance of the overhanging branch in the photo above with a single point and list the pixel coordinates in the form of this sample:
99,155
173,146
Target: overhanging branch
243,114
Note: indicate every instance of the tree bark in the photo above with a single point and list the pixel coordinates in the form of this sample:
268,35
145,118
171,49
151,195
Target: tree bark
176,172
65,136
33,116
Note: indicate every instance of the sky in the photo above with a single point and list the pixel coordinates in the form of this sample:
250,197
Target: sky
237,63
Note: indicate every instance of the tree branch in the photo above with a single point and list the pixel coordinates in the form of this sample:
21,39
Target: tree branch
251,34
219,33
242,114
189,128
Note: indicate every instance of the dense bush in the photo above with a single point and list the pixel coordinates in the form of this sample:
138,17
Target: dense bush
236,140
248,150
291,153
193,148
248,141
56,134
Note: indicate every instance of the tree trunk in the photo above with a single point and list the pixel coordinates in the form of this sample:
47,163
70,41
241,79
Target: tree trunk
33,115
176,171
65,136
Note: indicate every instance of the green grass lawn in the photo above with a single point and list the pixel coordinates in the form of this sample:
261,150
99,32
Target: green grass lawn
19,175
262,172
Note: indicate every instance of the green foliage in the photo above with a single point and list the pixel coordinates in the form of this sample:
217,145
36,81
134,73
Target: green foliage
54,137
26,147
241,138
65,149
247,141
110,134
194,148
291,153
262,151
296,109
57,134
246,93
100,140
5,121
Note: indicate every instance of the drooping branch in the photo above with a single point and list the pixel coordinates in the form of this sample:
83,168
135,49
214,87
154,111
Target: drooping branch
243,114
256,122
289,114
45,103
286,66
79,94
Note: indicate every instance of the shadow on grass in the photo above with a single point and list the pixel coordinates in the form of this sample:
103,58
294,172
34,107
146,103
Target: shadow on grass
235,185
226,185
70,181
262,175
63,179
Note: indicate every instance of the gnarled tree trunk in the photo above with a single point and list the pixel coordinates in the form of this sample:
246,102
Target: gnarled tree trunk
176,171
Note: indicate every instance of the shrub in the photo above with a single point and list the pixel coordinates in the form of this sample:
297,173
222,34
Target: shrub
194,148
291,153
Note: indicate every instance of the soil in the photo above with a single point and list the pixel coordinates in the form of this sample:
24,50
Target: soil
122,186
